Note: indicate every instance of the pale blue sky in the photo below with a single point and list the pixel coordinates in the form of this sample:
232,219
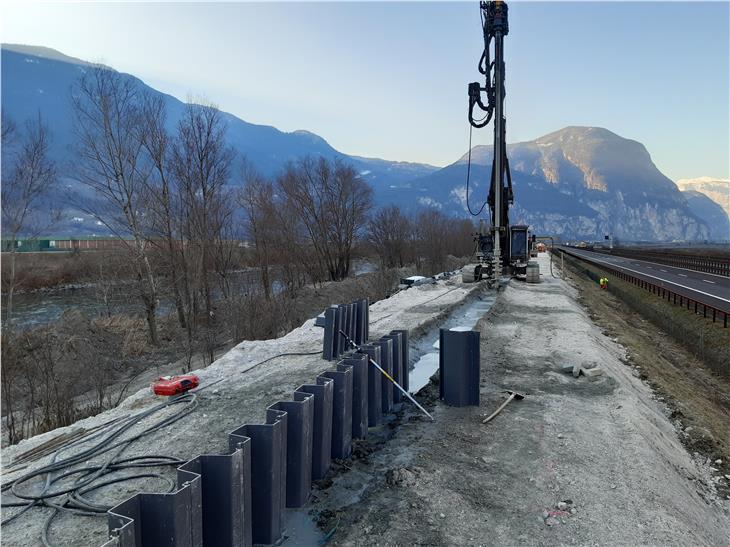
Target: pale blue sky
389,79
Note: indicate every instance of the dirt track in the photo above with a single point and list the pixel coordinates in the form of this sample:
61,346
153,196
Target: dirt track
606,448
699,397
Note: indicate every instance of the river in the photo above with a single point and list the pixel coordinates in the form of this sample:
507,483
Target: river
37,308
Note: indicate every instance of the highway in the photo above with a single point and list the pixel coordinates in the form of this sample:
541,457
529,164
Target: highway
714,290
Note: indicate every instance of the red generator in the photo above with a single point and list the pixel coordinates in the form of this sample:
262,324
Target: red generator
174,385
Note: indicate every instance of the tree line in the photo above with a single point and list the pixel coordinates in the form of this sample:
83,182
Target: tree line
193,213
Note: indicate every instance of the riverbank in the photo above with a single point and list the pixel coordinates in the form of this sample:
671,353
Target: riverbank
252,376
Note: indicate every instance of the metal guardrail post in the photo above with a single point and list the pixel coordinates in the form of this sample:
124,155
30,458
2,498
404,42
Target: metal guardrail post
329,351
322,431
299,431
386,362
349,317
405,357
268,475
226,495
459,367
168,520
341,410
375,414
361,322
397,365
360,365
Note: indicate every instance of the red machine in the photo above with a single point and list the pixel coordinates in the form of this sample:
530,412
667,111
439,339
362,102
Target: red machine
174,385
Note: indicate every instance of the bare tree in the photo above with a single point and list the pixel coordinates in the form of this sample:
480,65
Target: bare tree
110,128
163,203
432,228
389,233
8,129
28,176
330,203
256,199
201,163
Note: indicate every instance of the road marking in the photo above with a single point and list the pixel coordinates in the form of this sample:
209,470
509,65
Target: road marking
708,281
682,275
642,262
665,271
591,259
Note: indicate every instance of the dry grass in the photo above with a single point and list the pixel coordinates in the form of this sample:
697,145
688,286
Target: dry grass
698,395
708,341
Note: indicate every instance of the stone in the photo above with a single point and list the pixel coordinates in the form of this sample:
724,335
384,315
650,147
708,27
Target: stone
592,372
718,462
562,505
573,510
567,368
576,371
545,514
551,521
400,477
441,515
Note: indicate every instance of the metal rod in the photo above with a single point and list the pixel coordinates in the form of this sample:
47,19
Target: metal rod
389,377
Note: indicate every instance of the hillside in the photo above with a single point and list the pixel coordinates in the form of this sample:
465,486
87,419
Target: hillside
37,79
718,190
704,207
578,182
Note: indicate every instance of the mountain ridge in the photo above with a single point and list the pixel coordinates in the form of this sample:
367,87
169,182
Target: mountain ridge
577,182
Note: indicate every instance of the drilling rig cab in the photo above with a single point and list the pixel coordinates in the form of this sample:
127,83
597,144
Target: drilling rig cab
500,248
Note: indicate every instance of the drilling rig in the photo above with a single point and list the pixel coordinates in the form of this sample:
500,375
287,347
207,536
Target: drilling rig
499,246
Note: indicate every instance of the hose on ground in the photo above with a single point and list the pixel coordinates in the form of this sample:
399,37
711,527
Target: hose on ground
71,498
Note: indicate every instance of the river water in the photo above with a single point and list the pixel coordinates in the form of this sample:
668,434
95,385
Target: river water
37,308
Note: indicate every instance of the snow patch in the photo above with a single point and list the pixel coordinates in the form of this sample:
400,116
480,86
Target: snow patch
429,202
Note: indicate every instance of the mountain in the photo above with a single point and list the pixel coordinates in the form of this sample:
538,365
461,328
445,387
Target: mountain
578,182
714,215
718,190
37,79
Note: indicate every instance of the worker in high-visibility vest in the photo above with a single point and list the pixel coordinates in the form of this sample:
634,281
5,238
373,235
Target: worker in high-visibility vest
603,282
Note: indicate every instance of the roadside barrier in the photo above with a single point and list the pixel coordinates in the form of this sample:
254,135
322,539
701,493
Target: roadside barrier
665,291
708,264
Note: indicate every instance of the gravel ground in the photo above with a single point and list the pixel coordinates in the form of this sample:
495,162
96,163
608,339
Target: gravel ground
577,462
697,394
246,389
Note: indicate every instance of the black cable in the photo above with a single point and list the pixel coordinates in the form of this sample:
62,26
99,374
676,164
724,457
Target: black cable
72,499
292,354
468,177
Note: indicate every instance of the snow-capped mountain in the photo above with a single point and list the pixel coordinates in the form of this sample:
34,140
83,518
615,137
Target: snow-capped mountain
718,190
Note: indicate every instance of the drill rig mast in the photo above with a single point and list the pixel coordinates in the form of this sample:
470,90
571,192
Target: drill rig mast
493,245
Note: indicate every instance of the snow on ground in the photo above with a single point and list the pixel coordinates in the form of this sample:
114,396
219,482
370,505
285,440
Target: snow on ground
245,387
